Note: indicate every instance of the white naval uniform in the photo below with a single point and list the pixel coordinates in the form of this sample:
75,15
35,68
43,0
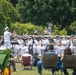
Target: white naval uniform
72,45
23,49
40,49
59,50
7,42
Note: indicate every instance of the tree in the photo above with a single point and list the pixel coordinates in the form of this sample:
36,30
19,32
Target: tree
8,14
59,12
14,2
33,11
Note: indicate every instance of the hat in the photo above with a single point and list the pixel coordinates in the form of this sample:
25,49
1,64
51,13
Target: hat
28,37
63,42
26,50
6,28
57,35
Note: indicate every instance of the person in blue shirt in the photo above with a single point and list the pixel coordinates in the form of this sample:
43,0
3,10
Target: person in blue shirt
40,63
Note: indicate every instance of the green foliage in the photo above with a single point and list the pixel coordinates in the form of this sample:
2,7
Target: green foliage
38,12
63,32
72,28
61,12
8,14
33,11
35,71
27,28
55,30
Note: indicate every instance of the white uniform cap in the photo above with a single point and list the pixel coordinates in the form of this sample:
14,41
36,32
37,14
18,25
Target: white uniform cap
6,28
26,50
63,42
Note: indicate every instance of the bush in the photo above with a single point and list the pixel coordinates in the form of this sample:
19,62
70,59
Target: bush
72,28
63,32
27,28
55,30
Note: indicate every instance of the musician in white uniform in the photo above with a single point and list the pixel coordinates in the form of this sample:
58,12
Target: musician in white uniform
7,36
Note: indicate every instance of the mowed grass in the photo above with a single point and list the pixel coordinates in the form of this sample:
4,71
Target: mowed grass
34,71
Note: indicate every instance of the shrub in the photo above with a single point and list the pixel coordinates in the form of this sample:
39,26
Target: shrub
72,28
55,30
63,32
27,28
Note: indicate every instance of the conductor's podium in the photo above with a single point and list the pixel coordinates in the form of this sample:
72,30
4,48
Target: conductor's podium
4,59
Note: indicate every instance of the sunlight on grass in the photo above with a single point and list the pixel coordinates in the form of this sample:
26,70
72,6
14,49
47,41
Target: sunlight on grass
34,71
31,72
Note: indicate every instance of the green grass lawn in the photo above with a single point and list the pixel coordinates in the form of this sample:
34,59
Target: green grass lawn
31,72
34,71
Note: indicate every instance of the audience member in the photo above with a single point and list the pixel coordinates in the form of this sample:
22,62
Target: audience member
40,63
31,58
36,59
67,51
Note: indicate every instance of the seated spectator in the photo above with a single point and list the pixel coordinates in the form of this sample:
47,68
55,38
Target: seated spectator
67,51
36,59
31,58
40,63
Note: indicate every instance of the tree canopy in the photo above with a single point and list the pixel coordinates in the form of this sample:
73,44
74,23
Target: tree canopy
59,12
8,14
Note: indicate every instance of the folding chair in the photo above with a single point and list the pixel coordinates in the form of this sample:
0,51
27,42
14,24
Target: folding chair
26,61
69,62
50,61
